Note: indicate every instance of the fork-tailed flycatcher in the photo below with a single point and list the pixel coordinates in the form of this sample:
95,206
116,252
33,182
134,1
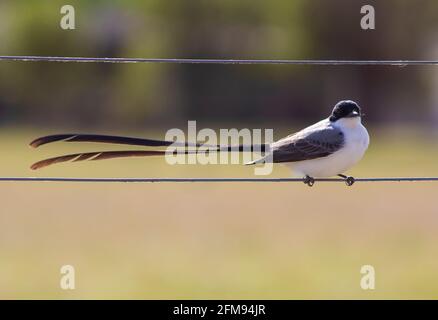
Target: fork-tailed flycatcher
327,148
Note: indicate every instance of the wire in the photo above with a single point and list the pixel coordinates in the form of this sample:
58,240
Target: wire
401,63
208,180
214,61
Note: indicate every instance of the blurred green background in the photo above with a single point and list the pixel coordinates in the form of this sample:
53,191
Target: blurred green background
216,240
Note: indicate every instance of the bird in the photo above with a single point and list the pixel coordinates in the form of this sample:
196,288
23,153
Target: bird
327,148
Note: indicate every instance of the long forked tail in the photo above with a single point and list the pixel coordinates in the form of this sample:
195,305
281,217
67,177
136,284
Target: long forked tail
127,141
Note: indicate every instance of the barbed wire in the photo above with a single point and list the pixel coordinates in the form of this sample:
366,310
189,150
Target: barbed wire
208,180
400,63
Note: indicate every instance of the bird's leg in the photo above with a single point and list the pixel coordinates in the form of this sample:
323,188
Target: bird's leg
309,181
349,181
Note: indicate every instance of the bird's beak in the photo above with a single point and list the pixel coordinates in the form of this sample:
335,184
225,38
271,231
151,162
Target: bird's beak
354,114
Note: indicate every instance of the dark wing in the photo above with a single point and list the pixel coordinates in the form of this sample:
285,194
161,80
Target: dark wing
308,144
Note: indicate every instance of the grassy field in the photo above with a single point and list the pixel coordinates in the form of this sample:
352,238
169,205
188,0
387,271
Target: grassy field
218,240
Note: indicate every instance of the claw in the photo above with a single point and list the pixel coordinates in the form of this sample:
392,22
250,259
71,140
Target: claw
309,181
349,181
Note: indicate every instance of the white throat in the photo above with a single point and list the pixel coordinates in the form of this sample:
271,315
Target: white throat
348,122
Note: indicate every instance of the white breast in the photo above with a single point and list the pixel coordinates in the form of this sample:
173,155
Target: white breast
356,143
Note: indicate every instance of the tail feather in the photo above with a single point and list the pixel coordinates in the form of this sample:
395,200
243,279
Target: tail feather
92,156
72,137
109,139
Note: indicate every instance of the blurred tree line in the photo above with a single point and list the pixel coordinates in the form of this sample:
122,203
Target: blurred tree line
138,95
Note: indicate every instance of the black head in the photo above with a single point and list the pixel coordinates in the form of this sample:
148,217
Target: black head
345,109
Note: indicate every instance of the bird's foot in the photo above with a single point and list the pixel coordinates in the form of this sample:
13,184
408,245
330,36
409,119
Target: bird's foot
309,181
349,181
